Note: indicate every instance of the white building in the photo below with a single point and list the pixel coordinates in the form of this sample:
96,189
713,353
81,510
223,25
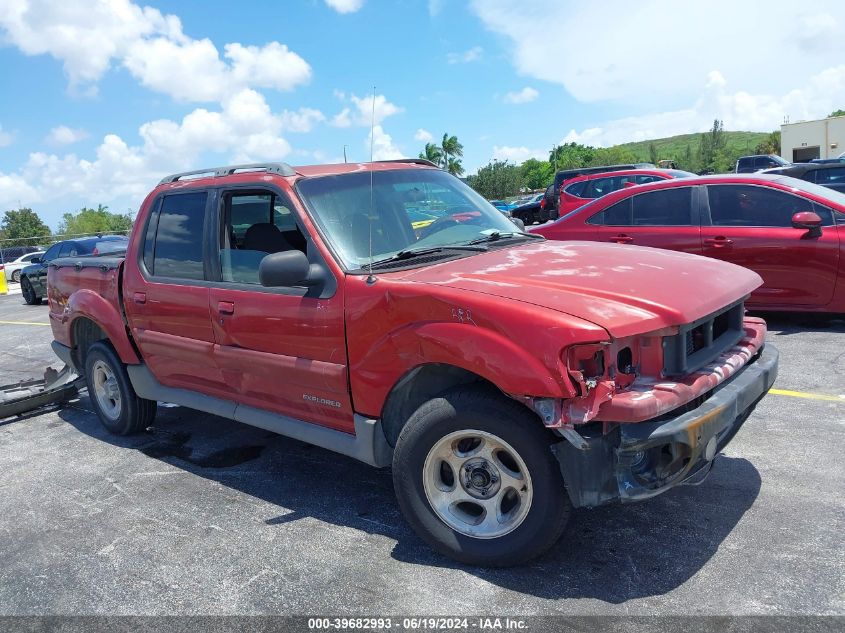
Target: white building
805,140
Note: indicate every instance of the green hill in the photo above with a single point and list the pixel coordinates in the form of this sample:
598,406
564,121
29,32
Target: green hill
674,147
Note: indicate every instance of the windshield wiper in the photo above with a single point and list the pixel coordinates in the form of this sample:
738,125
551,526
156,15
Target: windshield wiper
498,235
417,252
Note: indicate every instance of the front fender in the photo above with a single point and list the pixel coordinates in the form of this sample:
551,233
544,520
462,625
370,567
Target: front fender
88,304
483,352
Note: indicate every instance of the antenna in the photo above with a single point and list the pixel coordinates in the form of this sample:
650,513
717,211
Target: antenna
370,278
344,153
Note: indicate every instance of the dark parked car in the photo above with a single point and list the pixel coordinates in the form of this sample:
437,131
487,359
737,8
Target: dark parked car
34,276
11,253
750,164
531,211
828,174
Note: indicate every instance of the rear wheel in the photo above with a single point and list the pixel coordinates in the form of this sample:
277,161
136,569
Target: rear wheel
119,408
475,478
28,292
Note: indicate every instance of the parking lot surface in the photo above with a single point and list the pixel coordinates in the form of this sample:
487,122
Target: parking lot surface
205,516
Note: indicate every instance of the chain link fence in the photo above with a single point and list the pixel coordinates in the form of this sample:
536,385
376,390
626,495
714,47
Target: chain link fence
12,248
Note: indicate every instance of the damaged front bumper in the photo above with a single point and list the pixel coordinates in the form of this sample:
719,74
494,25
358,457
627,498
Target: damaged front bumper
640,460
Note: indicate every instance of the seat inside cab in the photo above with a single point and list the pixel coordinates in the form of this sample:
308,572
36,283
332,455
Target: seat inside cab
256,224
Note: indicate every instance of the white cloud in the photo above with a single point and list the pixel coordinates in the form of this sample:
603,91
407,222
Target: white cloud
303,120
243,130
739,110
518,154
472,55
383,147
5,138
423,136
64,135
435,7
342,119
88,37
526,95
364,112
691,39
345,6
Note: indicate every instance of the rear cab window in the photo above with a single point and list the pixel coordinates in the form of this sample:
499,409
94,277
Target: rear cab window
173,245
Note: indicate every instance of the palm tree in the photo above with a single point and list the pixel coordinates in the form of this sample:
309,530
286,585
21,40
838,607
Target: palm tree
432,152
455,168
451,147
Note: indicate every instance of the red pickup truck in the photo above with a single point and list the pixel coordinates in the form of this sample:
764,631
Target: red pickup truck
505,378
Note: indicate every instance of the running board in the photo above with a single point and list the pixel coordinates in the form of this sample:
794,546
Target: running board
367,445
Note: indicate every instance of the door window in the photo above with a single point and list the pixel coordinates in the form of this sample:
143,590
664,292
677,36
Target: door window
177,246
576,188
68,249
830,176
617,215
642,179
255,225
52,253
668,207
745,205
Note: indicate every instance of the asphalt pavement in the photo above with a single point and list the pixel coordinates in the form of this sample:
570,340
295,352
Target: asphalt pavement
205,516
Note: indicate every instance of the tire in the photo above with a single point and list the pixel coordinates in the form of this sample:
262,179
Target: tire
28,292
117,405
441,509
16,276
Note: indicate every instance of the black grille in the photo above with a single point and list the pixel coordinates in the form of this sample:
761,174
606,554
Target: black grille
699,342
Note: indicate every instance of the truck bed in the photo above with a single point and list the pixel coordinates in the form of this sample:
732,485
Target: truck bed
98,274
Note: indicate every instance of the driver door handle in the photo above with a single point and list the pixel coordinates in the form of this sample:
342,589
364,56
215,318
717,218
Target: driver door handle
621,239
226,307
718,241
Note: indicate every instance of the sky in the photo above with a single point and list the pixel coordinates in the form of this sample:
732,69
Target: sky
101,98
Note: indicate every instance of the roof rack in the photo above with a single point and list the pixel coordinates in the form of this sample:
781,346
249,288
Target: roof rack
416,161
283,169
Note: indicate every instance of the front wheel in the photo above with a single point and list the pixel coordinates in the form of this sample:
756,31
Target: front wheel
28,292
119,408
475,478
16,276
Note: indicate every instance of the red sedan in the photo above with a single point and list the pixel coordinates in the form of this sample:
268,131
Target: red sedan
579,191
790,231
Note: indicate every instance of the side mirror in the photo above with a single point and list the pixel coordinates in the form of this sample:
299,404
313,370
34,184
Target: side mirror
288,268
629,184
519,224
808,221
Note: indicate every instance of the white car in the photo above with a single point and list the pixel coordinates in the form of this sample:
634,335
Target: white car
13,268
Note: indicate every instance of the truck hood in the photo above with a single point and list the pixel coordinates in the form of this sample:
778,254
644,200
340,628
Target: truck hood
626,290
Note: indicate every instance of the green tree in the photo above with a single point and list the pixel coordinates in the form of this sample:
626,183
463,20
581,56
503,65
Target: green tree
432,152
498,179
652,154
572,155
455,167
837,113
451,148
712,147
771,144
20,224
688,161
93,221
536,174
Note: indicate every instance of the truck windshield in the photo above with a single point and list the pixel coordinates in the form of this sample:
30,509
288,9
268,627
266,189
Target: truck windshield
403,210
